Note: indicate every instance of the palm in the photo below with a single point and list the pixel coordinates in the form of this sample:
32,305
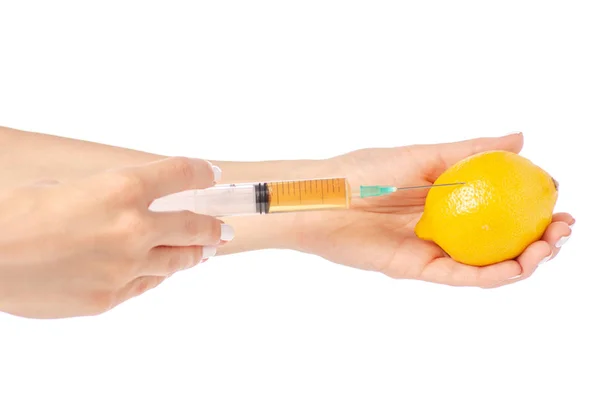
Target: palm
378,233
386,223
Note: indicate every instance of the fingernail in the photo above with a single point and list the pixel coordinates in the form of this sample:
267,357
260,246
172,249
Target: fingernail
545,260
561,241
226,232
217,171
208,251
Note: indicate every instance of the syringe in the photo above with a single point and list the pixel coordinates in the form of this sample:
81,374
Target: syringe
272,197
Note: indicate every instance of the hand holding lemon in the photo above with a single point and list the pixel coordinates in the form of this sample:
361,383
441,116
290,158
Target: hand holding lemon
505,204
493,230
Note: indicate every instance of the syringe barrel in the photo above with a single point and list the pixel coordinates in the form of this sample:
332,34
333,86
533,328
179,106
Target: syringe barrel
260,198
221,200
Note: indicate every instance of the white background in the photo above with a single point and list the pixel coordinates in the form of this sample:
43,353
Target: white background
258,80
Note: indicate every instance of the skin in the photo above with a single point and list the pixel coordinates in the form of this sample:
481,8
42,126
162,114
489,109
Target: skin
82,247
101,246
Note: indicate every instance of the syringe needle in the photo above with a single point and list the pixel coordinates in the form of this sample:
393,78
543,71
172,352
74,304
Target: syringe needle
376,190
429,186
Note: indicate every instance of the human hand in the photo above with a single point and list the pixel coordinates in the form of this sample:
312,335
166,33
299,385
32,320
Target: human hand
378,233
81,248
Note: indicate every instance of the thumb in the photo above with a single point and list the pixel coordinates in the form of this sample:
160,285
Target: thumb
450,153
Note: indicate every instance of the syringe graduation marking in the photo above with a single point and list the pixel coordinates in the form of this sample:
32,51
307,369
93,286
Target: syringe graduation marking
278,193
306,195
322,198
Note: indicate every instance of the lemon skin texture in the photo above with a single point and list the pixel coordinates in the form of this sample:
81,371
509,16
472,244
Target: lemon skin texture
505,204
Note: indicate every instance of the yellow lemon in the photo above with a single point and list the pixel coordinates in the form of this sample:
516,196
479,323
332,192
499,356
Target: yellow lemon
504,205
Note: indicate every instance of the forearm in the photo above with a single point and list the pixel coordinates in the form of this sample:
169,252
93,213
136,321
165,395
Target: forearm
27,157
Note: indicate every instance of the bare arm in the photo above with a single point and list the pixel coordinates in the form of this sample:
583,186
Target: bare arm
26,157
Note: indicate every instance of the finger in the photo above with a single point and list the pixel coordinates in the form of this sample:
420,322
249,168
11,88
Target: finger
556,235
137,287
444,270
533,257
166,261
447,271
172,175
452,152
541,251
563,217
447,154
184,228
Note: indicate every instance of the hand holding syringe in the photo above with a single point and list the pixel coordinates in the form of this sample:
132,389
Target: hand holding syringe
273,197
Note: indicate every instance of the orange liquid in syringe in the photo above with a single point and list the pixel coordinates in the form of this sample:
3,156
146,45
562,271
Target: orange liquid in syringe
316,194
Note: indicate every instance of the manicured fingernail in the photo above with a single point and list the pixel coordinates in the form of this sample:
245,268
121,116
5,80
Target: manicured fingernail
561,241
208,251
514,277
217,171
226,232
